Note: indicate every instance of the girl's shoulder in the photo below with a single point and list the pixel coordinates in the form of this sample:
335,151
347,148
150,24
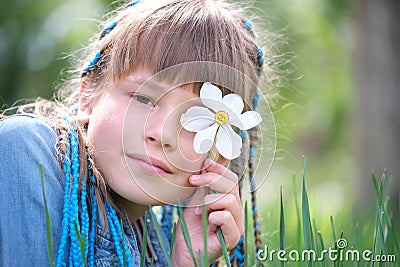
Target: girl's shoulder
25,141
18,124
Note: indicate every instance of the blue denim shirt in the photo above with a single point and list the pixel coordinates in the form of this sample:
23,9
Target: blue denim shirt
25,141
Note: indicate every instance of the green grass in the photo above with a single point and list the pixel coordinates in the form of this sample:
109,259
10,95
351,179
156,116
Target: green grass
307,237
49,232
347,243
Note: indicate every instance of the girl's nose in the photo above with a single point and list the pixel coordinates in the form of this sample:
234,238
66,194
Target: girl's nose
161,129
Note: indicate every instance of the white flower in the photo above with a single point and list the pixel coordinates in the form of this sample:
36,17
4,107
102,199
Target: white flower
214,122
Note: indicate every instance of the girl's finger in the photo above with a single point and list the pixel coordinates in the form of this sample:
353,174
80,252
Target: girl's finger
212,166
230,231
226,202
214,181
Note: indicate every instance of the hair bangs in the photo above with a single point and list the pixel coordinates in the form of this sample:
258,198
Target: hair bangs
180,46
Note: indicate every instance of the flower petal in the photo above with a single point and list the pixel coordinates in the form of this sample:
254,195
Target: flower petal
234,102
228,142
211,96
197,118
247,120
204,139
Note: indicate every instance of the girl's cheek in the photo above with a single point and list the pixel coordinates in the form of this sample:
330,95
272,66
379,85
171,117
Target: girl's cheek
190,160
186,146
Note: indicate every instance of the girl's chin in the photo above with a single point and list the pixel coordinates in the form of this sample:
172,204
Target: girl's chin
159,199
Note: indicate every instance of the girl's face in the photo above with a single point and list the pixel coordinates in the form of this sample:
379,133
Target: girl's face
139,144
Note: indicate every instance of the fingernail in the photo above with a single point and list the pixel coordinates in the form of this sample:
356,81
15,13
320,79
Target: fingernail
197,210
195,178
210,162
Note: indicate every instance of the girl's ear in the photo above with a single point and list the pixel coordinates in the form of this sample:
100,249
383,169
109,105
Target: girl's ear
85,105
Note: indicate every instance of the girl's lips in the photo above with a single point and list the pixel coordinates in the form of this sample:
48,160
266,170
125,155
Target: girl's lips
150,165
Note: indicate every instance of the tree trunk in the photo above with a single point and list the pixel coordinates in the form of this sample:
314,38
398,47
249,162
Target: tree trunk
378,96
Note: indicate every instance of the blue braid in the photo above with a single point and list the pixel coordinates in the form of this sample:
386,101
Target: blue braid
256,230
167,213
116,232
64,236
248,25
92,231
237,255
84,216
75,214
74,208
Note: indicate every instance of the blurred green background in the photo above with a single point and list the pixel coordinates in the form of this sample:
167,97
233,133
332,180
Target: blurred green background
337,104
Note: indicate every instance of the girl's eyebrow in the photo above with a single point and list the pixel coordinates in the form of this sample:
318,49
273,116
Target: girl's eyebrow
153,84
138,81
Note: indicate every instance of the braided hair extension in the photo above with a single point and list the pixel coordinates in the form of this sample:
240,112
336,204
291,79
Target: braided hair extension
77,224
254,207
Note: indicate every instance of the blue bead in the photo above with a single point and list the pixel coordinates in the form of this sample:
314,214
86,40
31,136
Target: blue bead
260,57
132,3
248,25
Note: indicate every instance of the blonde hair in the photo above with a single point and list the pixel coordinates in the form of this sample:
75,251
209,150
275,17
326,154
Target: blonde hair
156,35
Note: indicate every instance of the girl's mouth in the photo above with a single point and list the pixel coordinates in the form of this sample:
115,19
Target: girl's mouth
150,165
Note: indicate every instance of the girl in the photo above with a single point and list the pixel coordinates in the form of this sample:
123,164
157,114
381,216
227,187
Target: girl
120,141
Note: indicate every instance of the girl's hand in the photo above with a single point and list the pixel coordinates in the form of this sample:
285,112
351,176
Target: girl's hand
224,210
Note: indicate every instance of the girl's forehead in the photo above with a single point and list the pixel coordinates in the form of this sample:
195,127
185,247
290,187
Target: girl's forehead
145,79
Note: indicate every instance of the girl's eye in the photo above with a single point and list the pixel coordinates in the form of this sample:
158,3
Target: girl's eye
143,99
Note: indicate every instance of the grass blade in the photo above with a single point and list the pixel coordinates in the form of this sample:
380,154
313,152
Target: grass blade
49,231
81,244
322,247
296,200
305,212
204,218
173,236
152,261
246,233
282,228
385,222
223,245
160,237
201,259
333,230
186,235
143,251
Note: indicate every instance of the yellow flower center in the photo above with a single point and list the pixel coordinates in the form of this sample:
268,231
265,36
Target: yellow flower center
221,117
